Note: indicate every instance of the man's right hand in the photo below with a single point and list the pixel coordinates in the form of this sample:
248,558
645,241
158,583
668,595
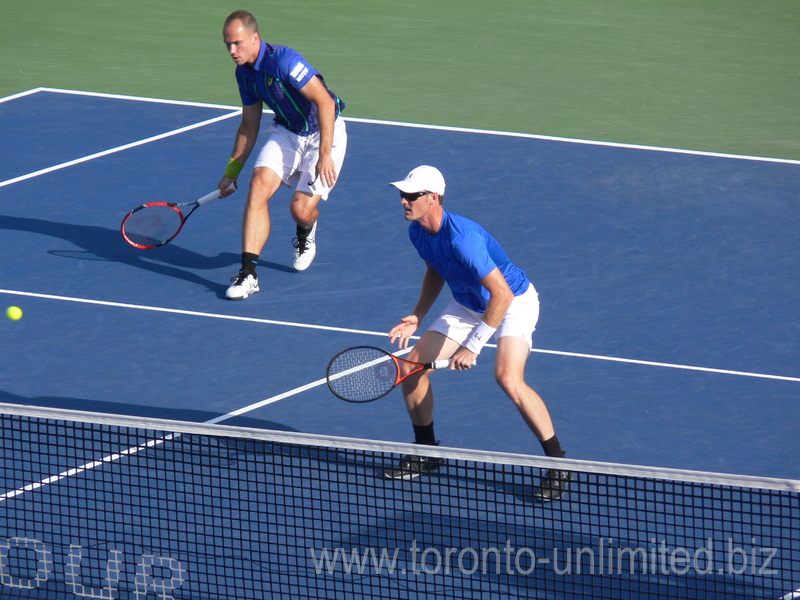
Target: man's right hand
227,186
403,332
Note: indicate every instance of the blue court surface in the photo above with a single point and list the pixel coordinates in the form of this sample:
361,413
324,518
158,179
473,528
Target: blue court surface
668,332
668,281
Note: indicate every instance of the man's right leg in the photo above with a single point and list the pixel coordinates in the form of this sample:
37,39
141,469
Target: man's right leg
417,391
418,396
255,231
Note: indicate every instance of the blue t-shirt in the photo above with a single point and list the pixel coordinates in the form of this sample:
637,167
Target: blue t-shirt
276,78
464,253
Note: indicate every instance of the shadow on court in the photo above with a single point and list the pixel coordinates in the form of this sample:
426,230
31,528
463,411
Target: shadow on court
103,244
149,412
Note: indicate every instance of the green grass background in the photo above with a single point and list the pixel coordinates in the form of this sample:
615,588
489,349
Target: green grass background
713,75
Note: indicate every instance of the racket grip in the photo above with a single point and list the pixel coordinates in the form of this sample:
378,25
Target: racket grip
444,363
212,196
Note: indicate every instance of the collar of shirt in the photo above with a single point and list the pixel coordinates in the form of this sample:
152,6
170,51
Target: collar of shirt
262,55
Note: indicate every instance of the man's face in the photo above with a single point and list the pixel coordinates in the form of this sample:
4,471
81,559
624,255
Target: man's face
243,44
416,205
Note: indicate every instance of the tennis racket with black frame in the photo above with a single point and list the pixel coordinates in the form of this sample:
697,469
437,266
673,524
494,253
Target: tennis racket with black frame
366,373
157,223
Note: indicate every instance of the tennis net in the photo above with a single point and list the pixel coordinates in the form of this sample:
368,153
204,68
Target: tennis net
113,507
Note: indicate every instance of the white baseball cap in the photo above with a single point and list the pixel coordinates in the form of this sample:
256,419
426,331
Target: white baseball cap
422,179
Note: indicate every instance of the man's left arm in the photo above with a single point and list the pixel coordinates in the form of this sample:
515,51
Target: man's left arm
317,93
500,298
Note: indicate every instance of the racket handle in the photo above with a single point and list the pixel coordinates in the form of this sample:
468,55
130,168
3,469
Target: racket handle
212,196
443,364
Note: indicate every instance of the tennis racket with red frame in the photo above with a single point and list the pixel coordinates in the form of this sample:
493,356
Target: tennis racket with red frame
157,223
366,373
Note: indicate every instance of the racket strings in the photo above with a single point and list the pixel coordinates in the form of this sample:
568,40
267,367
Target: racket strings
362,374
153,225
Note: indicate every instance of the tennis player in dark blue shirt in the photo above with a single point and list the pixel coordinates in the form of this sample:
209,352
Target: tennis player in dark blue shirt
492,298
305,147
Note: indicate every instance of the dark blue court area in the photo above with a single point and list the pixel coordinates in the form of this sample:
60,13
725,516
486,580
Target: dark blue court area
667,338
668,281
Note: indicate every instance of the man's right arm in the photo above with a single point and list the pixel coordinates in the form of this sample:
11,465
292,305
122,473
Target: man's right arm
243,145
432,285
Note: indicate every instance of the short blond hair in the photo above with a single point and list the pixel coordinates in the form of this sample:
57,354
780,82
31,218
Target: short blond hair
248,20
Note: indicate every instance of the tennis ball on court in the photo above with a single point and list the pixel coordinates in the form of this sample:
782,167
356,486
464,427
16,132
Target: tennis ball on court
14,313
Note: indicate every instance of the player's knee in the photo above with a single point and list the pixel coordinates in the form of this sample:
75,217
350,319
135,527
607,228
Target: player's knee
304,217
259,177
508,380
412,384
262,185
304,210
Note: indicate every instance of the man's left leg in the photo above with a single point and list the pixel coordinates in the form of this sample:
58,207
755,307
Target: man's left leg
512,354
310,190
305,212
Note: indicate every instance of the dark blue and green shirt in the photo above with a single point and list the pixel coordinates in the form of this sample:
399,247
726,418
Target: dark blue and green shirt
276,78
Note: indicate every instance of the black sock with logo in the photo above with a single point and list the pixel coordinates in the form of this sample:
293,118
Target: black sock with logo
249,262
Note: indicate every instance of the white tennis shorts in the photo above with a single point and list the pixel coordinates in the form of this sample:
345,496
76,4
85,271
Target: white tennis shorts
457,321
293,157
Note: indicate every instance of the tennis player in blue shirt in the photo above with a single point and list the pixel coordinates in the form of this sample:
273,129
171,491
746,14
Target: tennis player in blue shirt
305,147
491,298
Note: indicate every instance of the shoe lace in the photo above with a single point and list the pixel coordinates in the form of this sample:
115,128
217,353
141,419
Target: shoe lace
239,279
300,244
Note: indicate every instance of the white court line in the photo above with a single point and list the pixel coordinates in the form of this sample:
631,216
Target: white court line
551,138
308,386
154,138
149,444
292,392
87,467
649,363
186,312
136,98
384,334
21,95
159,441
435,127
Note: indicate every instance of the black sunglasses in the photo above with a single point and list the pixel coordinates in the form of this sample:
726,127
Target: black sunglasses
411,196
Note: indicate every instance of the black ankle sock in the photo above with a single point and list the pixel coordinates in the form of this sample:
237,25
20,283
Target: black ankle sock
423,434
249,262
552,447
303,231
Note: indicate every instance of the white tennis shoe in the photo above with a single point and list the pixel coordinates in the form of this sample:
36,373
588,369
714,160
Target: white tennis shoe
244,284
305,249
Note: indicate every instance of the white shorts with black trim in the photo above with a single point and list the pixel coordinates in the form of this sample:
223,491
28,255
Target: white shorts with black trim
294,157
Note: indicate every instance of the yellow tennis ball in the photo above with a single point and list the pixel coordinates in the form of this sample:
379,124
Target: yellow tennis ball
14,313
